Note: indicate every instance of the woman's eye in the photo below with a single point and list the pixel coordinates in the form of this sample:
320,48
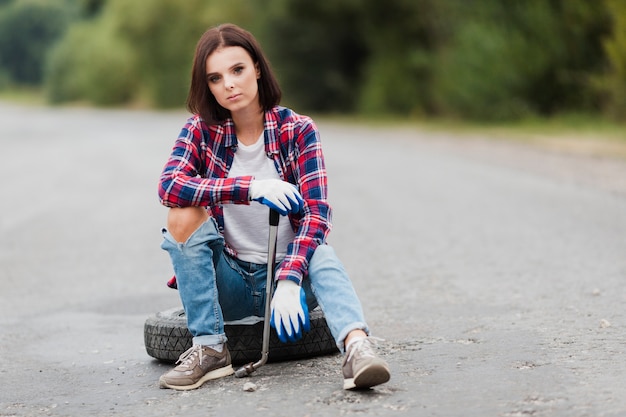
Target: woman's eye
214,79
238,70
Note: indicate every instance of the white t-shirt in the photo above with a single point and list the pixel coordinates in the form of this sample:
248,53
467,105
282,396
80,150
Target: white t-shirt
246,227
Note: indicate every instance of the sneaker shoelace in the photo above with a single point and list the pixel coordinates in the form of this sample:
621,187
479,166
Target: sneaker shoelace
365,347
189,355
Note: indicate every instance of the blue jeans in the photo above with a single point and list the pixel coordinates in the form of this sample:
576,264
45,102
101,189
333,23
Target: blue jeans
215,287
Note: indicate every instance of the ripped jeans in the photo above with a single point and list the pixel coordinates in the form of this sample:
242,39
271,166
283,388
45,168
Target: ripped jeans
215,287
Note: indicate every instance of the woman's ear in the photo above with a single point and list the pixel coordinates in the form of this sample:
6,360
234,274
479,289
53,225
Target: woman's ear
258,70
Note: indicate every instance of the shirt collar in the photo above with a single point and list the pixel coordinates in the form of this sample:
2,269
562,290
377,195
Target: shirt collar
271,135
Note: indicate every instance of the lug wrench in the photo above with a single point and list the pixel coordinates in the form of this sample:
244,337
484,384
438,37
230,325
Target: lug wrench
271,261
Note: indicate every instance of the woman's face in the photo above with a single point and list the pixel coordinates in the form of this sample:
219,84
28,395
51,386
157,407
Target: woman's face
232,78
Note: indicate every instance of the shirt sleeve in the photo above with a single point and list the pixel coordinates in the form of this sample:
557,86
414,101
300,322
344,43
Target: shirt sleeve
191,175
315,222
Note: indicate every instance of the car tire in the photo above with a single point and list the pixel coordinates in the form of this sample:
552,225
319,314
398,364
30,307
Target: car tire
166,337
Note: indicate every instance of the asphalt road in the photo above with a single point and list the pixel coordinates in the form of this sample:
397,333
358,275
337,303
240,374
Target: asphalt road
494,273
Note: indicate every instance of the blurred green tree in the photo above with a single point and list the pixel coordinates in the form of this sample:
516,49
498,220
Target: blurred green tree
104,73
27,31
401,37
318,52
508,60
137,51
482,59
613,84
90,8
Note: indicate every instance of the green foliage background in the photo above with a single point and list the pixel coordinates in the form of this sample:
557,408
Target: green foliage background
468,59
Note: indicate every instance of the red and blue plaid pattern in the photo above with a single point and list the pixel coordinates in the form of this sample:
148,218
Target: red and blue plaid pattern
195,175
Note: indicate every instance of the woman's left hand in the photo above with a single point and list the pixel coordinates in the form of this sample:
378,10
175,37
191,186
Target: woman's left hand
290,314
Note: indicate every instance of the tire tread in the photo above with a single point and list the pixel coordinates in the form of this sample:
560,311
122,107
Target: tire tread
166,337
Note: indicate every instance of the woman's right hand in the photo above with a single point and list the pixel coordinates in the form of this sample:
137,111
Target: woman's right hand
279,195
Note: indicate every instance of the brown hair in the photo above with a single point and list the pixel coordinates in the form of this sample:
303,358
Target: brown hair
200,99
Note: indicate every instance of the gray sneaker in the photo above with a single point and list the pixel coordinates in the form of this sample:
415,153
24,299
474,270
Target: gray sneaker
362,368
196,366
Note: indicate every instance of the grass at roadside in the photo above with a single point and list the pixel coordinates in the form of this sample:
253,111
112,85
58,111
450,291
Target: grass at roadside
582,134
575,133
24,96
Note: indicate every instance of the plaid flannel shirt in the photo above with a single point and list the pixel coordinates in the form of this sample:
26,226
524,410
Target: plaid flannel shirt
195,175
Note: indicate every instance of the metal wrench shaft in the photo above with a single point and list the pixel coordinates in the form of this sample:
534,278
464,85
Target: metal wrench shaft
271,262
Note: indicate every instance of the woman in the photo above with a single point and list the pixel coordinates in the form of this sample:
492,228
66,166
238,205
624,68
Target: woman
239,154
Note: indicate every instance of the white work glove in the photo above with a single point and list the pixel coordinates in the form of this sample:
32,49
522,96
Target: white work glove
290,313
279,195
